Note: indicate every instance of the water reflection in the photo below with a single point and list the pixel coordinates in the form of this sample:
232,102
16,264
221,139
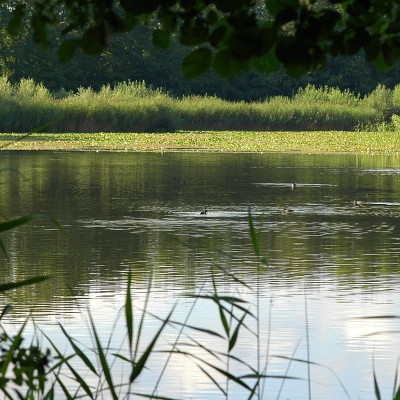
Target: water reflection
141,212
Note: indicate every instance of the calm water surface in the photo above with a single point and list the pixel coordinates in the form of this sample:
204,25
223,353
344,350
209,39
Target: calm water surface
330,264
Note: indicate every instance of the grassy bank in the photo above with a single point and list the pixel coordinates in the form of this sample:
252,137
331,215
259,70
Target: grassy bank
135,107
302,142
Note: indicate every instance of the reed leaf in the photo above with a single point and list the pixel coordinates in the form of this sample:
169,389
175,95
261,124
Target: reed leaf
7,308
376,387
220,308
78,351
14,223
396,388
308,362
64,360
253,234
139,333
227,374
14,285
64,389
129,313
16,342
234,337
213,380
140,364
185,325
230,376
152,396
197,344
103,360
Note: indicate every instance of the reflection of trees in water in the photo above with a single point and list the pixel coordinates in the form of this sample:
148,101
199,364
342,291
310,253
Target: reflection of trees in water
132,211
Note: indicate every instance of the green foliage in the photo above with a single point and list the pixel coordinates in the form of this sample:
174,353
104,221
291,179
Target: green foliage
381,100
298,35
23,369
135,107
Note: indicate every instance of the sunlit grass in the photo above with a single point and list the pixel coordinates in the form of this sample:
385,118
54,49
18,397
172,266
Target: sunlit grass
331,142
136,107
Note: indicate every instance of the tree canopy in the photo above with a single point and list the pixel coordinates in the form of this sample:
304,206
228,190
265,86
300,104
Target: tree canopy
227,36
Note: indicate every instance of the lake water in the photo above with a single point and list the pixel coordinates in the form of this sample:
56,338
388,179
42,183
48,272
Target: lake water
331,265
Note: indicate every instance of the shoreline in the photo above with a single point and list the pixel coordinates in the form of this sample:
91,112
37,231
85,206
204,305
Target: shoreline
310,142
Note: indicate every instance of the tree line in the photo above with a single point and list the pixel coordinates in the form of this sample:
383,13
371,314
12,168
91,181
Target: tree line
132,56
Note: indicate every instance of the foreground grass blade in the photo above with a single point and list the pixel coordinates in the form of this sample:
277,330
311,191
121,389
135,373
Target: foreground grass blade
103,360
64,360
39,129
10,354
376,386
13,285
227,374
78,351
7,308
233,338
129,313
396,389
196,328
139,333
222,316
140,364
213,380
64,389
319,365
151,396
253,234
14,223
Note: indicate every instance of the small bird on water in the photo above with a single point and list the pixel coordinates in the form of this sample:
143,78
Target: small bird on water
358,202
204,212
293,185
286,210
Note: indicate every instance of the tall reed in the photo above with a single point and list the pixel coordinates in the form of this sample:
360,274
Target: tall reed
135,107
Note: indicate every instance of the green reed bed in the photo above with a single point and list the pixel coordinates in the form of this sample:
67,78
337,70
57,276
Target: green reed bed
303,142
134,107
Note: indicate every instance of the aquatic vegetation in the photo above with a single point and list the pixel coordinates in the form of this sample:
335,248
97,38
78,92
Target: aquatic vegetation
315,142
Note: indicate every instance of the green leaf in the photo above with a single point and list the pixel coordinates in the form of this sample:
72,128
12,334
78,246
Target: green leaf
129,312
381,63
376,387
7,309
197,62
15,22
275,6
67,49
235,335
253,234
94,40
140,364
14,285
193,32
103,361
11,224
222,316
226,64
39,22
79,352
267,63
161,38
